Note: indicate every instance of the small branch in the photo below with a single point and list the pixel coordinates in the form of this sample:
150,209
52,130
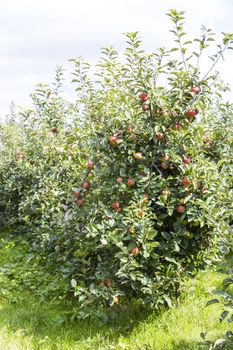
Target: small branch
155,166
214,81
215,62
181,50
159,67
198,60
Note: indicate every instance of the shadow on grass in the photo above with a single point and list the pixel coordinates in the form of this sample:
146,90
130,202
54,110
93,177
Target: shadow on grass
189,345
50,321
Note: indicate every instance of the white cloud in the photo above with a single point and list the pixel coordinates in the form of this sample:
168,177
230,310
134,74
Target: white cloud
35,36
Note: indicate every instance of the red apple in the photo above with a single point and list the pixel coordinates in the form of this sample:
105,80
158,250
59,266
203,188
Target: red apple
119,180
85,185
54,130
145,107
112,140
192,112
80,202
90,165
134,251
196,89
180,209
131,182
165,157
128,130
77,194
116,205
187,159
144,96
176,126
185,182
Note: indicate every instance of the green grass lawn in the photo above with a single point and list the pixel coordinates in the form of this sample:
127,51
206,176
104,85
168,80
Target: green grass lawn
29,323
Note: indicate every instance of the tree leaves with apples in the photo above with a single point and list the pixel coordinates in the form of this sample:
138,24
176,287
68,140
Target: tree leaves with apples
124,181
141,224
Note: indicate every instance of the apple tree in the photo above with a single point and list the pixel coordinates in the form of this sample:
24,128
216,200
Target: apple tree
138,214
123,192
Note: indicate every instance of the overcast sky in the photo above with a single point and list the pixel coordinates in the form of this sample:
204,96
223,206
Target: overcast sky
35,36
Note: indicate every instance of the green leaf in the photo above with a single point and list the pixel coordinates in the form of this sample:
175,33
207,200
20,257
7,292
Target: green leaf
166,235
224,314
152,234
227,282
213,301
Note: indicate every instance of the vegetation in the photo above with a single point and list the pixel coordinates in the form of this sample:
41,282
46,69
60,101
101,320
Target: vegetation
119,197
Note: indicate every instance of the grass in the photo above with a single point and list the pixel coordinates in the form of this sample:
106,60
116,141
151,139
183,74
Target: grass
27,323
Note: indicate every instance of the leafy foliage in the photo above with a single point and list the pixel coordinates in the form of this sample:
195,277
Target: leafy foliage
123,190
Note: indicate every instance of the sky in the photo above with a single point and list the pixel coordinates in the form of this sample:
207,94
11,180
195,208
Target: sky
36,36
